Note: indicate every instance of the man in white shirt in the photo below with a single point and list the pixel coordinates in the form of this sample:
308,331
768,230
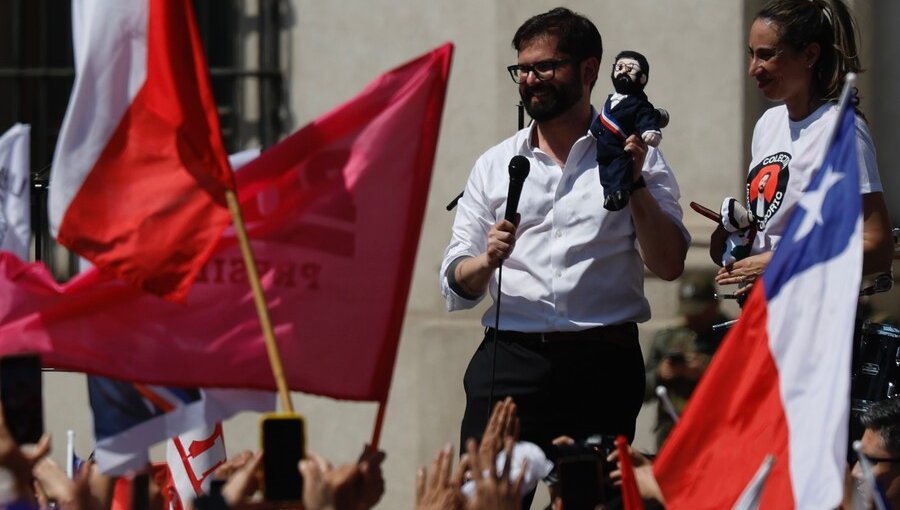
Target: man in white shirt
567,348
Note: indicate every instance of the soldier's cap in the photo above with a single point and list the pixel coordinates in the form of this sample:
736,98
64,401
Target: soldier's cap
696,291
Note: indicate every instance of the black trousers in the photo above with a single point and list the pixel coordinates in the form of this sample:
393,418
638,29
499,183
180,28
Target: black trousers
575,384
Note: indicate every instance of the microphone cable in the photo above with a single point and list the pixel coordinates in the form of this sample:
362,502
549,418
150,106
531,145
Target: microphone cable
490,406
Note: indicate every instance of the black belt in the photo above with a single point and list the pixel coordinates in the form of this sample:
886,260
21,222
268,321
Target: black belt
617,332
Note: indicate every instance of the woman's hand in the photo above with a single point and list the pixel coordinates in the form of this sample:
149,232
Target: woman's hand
744,272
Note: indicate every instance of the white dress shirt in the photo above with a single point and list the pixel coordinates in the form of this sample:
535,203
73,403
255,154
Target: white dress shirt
575,265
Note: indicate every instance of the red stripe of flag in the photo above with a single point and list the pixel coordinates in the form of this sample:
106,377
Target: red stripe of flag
152,208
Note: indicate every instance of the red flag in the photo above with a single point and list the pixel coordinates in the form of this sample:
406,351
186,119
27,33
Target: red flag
334,213
631,496
123,496
140,172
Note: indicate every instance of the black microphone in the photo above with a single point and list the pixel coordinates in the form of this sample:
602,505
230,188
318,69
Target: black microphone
518,171
663,117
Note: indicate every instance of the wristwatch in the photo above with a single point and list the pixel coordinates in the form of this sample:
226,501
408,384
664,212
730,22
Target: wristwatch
638,184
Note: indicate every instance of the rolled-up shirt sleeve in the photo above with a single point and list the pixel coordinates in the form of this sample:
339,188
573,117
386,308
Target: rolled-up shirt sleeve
662,185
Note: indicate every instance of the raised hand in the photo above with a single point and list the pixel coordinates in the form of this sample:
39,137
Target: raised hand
493,490
438,488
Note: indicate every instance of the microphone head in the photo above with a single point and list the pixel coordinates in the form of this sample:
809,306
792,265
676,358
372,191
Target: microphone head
663,116
519,167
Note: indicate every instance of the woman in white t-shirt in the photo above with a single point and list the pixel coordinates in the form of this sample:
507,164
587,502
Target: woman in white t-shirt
799,52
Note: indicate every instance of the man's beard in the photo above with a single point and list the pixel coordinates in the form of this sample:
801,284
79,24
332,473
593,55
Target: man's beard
560,99
624,85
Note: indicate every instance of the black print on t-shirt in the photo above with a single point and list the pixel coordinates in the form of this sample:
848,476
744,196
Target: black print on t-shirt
766,185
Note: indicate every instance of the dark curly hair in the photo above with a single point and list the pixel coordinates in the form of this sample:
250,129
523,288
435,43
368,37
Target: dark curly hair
884,418
576,35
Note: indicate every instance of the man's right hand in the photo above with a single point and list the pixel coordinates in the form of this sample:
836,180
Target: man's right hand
501,241
473,274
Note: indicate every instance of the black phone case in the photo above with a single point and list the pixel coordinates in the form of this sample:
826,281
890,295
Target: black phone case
22,398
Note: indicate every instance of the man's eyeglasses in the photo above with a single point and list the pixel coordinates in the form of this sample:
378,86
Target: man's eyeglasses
623,67
886,460
543,70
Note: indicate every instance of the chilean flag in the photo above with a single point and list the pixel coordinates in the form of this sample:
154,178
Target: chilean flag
780,383
139,175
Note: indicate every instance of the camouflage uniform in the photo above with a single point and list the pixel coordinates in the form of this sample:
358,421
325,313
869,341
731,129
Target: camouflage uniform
697,291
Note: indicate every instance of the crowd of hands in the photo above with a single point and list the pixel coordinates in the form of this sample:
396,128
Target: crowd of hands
438,488
36,481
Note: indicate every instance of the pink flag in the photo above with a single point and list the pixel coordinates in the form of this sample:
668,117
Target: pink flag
139,174
334,213
780,383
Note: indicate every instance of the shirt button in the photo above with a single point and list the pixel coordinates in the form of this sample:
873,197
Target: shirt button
558,274
559,233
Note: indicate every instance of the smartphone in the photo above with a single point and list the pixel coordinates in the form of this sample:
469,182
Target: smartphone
283,441
581,482
22,398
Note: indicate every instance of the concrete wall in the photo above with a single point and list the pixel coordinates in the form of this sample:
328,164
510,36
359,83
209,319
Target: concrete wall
696,50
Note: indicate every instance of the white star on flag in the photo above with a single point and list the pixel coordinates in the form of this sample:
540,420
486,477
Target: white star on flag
812,202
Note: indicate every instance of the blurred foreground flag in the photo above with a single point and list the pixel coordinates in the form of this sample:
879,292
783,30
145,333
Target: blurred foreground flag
780,383
334,214
139,174
15,191
130,418
193,457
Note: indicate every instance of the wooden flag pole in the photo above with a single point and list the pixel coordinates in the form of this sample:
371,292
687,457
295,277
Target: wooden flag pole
262,309
379,421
